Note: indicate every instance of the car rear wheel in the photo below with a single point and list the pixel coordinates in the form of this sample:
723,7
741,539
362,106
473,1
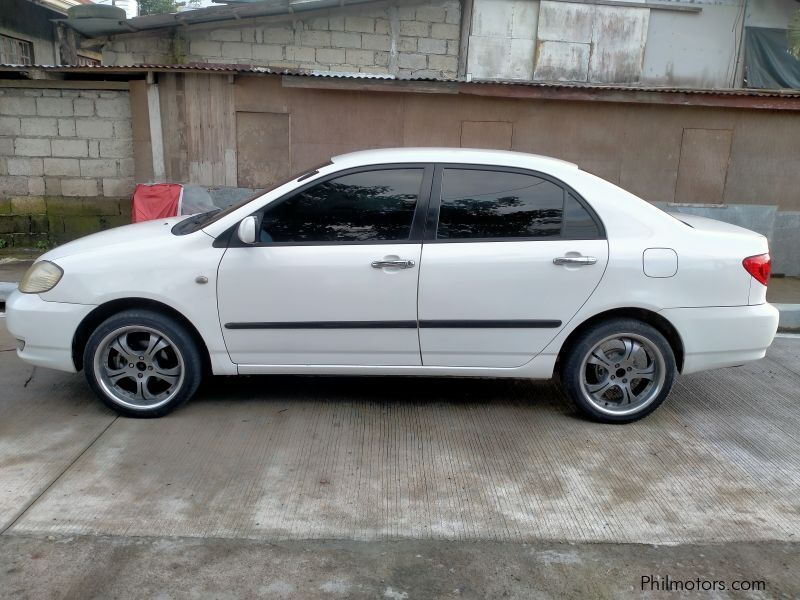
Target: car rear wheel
142,363
618,371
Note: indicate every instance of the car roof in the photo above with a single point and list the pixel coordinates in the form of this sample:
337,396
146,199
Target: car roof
449,155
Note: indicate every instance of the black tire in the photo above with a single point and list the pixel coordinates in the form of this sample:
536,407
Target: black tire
578,376
175,356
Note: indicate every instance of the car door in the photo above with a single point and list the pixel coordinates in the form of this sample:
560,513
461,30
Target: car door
332,277
509,257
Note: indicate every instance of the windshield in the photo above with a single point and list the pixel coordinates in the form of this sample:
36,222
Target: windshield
199,221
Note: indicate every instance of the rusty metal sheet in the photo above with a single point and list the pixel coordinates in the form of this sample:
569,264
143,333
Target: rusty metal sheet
618,41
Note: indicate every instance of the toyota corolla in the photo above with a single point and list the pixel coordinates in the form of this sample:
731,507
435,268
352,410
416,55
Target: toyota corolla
415,261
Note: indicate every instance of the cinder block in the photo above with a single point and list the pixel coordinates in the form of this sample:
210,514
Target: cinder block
433,14
318,24
118,188
345,40
77,148
26,205
360,57
407,13
84,107
114,108
62,166
116,148
98,167
453,15
251,35
94,128
299,54
66,128
52,93
407,44
52,186
9,126
336,23
31,147
359,24
122,129
445,31
432,46
54,107
443,63
452,47
39,223
371,41
127,167
15,224
39,126
237,50
79,187
17,106
315,39
36,186
205,48
330,56
24,166
94,148
263,52
278,35
226,35
381,60
414,28
374,69
13,185
408,60
381,26
6,147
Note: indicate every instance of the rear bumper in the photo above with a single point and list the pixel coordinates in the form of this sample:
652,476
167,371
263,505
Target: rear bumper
723,336
47,328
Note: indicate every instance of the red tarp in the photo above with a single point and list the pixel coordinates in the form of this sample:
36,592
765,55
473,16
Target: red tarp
156,201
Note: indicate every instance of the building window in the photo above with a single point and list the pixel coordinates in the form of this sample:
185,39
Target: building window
14,51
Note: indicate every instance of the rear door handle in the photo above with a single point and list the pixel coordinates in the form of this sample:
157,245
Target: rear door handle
575,260
398,263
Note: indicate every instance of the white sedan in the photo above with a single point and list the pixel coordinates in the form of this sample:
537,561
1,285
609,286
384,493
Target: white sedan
414,261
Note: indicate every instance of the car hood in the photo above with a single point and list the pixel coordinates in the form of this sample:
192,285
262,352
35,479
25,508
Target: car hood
103,240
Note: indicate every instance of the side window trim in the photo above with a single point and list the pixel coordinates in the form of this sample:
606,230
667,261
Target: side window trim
432,220
417,222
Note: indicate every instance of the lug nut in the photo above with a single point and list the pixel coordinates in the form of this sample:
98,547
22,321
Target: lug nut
140,376
130,366
624,381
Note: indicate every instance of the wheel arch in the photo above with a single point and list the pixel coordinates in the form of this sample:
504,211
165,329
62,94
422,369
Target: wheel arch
660,323
112,307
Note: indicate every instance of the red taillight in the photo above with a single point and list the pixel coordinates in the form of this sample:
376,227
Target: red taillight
759,267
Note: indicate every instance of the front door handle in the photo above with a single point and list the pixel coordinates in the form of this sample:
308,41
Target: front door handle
575,260
398,263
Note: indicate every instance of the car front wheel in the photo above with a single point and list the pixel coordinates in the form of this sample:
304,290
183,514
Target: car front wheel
618,371
142,363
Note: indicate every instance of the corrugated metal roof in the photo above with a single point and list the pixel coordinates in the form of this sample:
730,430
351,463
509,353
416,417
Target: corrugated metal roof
92,27
245,68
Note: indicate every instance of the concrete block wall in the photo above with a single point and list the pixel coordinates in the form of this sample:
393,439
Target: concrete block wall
66,163
420,40
65,143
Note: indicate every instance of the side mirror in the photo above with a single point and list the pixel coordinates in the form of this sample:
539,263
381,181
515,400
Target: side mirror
247,230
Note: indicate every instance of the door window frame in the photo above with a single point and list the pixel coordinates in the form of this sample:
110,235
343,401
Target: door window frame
417,222
432,218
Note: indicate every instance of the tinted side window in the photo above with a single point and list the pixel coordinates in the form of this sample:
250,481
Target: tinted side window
496,204
367,206
578,223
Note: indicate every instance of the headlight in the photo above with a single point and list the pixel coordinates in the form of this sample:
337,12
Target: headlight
41,277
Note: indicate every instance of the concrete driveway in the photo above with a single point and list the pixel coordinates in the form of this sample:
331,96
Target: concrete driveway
397,488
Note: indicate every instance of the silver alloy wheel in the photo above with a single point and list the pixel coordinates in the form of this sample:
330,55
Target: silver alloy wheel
622,374
139,367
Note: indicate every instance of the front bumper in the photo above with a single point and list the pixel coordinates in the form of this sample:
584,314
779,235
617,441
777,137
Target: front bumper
47,328
723,336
